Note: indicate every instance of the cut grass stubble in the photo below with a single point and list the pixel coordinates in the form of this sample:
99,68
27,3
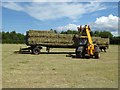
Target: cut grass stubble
57,70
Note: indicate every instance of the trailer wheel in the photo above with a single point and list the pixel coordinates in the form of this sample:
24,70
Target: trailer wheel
97,55
36,51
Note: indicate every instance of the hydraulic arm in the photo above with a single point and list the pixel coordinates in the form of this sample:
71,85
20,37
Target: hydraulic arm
90,42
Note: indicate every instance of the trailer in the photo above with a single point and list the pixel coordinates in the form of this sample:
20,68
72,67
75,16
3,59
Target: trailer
103,43
36,39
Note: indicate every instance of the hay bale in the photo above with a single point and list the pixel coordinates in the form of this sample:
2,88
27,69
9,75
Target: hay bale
51,38
38,33
48,37
101,41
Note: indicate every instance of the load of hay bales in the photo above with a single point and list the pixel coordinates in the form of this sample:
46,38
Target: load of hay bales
51,38
48,37
100,41
37,33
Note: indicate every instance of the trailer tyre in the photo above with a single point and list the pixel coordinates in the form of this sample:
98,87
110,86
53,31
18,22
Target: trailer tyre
97,55
36,51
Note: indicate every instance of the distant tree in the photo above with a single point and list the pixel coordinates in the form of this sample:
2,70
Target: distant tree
12,37
55,31
115,40
15,38
96,33
63,32
75,32
0,37
91,33
69,32
106,34
51,29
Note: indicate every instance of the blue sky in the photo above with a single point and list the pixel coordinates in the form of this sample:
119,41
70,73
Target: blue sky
22,16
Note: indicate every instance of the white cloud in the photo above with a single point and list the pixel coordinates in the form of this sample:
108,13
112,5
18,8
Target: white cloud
115,33
13,6
67,27
47,11
109,23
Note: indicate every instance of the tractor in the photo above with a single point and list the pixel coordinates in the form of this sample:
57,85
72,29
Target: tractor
86,47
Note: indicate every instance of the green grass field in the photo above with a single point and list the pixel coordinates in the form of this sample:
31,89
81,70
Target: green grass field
58,70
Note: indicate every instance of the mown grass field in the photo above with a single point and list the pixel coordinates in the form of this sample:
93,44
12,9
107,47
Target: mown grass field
58,70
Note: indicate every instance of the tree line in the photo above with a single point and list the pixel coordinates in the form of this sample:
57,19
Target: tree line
12,37
18,38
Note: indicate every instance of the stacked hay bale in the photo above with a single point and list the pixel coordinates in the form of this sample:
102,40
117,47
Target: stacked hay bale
51,38
65,38
101,41
48,38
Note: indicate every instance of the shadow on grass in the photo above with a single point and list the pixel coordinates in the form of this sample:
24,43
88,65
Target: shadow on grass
74,56
69,54
27,52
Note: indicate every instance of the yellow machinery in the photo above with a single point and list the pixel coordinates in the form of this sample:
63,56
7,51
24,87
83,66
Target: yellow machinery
86,46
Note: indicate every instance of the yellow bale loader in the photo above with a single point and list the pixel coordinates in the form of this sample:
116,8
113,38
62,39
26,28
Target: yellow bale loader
86,48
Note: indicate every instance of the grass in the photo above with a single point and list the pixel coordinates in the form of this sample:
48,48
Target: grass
58,70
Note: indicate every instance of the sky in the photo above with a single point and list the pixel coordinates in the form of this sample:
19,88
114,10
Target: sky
61,16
